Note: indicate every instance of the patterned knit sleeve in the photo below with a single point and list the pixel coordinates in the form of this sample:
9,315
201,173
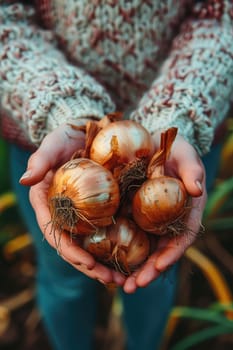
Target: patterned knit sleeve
38,87
194,88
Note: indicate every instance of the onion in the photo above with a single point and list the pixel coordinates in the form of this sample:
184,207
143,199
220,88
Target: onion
122,245
160,204
121,142
125,148
83,196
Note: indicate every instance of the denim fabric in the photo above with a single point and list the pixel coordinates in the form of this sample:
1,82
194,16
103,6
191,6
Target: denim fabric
67,298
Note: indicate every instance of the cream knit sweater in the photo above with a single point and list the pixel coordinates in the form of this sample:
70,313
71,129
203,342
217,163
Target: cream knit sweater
163,63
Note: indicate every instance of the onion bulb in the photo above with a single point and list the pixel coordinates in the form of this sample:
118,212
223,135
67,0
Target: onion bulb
122,245
160,204
83,196
125,148
123,140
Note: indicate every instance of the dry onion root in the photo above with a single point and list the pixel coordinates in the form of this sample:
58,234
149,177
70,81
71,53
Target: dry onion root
123,245
160,204
83,196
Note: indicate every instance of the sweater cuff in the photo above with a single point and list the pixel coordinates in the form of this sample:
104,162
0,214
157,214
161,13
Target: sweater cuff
46,111
154,116
63,110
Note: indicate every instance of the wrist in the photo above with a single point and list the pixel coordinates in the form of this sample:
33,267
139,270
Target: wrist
73,110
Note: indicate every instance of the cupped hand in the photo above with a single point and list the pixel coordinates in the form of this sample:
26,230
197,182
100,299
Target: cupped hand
185,164
57,148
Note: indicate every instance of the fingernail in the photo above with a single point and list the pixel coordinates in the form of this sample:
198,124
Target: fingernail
199,185
26,175
101,281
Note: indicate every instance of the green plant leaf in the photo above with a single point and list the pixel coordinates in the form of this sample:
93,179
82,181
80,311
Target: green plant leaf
221,307
201,336
217,198
208,315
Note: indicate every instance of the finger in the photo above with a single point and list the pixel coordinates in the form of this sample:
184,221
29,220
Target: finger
190,169
99,272
130,285
118,278
56,148
143,276
173,251
58,240
147,273
193,176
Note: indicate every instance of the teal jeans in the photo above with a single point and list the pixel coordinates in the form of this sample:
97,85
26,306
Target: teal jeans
67,298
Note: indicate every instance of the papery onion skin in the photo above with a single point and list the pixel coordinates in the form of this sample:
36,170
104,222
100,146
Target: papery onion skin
83,196
133,142
159,203
122,245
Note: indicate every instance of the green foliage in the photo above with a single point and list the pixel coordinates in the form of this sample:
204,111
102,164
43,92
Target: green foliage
220,200
218,214
213,323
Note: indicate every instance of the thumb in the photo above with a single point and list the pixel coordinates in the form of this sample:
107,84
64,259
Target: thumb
56,148
192,173
189,167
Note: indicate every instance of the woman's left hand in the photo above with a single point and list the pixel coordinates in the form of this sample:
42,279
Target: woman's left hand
57,148
184,163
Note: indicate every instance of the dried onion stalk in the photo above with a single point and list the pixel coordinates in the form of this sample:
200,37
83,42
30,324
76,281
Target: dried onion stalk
160,204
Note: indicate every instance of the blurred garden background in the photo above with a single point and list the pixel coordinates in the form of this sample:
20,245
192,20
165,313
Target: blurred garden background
203,314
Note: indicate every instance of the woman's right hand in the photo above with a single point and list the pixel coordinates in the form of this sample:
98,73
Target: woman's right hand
56,149
185,164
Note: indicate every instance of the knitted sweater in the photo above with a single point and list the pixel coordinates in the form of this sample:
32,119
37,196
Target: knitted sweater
163,63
